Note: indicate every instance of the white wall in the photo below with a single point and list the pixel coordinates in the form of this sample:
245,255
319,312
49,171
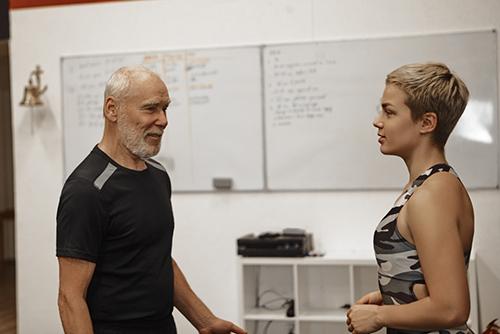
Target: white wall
208,224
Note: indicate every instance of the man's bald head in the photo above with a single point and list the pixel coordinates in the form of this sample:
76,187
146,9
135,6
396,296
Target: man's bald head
119,83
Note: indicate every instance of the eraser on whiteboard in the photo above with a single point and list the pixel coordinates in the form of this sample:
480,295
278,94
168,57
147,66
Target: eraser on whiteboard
222,182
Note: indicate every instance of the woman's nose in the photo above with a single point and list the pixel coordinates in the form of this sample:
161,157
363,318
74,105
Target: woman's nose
376,120
377,123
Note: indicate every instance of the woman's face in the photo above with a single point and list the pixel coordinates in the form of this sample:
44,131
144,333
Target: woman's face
398,133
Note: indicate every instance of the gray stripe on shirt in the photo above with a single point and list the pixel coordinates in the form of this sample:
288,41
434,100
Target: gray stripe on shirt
155,164
105,175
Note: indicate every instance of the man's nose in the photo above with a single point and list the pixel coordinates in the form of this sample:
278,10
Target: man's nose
162,120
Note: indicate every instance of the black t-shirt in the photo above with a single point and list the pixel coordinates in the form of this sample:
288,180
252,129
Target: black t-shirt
121,220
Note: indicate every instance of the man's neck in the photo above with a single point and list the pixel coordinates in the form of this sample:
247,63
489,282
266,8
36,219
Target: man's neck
120,154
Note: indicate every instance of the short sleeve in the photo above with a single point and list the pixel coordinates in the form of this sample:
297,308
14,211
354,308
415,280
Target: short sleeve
81,221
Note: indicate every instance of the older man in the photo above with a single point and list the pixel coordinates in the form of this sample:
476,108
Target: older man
115,224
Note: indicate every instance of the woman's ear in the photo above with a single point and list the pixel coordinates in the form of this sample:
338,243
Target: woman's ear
428,122
111,109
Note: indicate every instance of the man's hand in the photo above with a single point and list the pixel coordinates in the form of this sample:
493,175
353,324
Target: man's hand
219,326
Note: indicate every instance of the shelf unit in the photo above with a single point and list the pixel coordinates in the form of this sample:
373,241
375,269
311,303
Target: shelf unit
321,288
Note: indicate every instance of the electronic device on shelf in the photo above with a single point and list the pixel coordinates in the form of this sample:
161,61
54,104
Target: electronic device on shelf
291,242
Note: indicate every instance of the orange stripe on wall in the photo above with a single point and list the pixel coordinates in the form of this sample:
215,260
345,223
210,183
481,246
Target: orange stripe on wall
39,3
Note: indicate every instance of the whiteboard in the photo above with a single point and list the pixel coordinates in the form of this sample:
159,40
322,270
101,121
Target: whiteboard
215,118
321,99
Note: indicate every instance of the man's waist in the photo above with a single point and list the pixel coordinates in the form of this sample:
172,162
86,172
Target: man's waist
164,325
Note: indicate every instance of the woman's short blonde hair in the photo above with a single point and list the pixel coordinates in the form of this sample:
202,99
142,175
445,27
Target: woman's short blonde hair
432,87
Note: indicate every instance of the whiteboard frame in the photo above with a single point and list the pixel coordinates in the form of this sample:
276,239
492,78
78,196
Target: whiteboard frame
261,47
401,36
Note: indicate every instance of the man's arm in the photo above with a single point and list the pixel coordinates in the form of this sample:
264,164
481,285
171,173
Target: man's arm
74,279
200,316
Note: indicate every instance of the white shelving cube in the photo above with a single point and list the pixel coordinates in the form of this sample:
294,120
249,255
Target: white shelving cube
323,290
319,287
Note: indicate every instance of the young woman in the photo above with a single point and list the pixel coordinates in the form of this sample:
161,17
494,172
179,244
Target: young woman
423,243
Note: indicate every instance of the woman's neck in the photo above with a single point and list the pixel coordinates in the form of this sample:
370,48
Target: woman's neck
421,159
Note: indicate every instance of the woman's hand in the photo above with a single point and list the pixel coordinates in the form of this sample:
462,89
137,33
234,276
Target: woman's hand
374,297
363,319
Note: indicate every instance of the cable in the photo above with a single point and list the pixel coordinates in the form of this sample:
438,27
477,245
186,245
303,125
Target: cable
268,324
257,284
263,293
266,305
266,327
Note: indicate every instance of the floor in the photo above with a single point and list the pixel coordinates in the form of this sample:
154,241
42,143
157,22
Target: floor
7,298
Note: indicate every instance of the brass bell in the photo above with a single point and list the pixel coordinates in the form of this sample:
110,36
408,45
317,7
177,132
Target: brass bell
33,92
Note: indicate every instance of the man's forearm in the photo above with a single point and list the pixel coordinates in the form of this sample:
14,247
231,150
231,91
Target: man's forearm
186,301
75,316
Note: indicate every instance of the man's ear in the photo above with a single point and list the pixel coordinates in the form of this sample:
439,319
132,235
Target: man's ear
428,122
111,109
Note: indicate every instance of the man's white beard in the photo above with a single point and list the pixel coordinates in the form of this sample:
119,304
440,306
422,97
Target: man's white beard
134,140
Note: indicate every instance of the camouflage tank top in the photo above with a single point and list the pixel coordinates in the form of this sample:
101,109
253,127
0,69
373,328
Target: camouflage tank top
398,264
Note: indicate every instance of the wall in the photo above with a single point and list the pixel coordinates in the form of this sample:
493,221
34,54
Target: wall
208,224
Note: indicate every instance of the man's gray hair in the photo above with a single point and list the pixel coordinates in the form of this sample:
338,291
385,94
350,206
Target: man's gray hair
119,82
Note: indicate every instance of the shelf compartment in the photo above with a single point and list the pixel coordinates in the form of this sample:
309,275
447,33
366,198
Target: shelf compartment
273,327
323,315
264,314
323,288
267,285
315,327
365,280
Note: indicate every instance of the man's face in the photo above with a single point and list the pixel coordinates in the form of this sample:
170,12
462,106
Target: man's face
141,117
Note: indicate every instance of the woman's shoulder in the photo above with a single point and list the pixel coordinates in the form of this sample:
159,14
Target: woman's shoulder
441,192
439,185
